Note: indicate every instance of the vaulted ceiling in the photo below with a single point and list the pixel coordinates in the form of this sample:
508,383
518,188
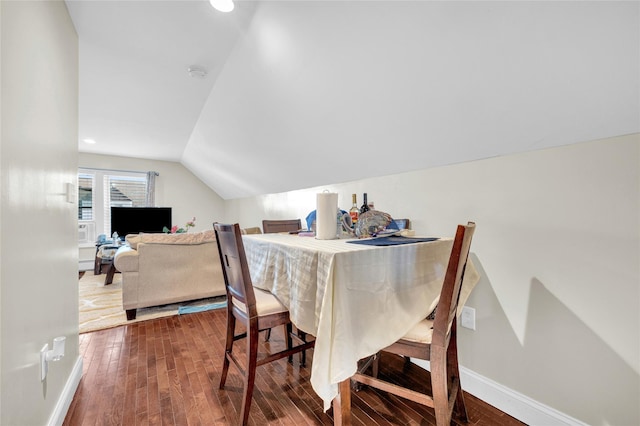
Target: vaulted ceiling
306,93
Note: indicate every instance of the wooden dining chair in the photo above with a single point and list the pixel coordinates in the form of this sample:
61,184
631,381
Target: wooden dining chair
402,223
435,341
283,225
273,227
256,309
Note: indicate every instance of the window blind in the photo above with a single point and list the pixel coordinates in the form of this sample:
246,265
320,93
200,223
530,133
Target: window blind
123,191
85,196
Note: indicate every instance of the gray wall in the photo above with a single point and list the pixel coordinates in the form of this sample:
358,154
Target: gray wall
38,233
558,244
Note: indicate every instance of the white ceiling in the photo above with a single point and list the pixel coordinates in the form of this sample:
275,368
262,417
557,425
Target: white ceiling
302,93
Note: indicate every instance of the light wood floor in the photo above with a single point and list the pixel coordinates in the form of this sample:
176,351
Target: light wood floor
166,371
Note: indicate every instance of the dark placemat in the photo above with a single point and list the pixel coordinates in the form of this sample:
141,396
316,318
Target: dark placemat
391,241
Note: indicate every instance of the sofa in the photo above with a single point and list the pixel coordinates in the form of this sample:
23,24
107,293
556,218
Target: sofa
158,269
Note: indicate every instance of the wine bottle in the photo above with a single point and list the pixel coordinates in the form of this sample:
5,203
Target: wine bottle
355,211
365,205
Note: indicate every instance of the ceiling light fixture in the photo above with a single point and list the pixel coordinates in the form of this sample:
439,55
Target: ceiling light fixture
197,71
89,141
222,5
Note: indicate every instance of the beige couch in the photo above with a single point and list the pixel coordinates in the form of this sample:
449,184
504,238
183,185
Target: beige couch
158,269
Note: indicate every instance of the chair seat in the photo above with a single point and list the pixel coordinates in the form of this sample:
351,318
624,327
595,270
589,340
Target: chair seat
266,303
422,332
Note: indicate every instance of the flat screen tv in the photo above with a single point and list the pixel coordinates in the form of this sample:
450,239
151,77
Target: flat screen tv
133,220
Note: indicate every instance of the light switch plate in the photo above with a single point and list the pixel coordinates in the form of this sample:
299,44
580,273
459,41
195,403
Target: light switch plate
468,318
71,193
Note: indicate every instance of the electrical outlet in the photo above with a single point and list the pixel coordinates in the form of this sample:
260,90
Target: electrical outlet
468,318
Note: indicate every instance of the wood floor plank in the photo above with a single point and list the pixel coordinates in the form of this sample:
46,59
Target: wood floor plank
167,372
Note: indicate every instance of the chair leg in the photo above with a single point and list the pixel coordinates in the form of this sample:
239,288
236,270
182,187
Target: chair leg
288,329
459,407
439,386
454,373
372,361
407,361
303,354
250,373
375,365
228,347
267,335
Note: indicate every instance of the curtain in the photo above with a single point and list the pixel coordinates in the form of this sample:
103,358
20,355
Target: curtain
151,188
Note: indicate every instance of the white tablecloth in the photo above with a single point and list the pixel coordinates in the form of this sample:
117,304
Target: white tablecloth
355,299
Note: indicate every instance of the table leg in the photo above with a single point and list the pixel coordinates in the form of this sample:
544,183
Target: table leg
342,404
110,272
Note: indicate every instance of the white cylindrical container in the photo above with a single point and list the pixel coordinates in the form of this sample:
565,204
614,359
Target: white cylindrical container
326,208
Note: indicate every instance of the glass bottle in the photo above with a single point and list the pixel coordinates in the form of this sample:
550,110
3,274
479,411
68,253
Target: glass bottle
365,205
355,211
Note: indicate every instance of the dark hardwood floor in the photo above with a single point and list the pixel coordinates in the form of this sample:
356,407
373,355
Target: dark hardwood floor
166,371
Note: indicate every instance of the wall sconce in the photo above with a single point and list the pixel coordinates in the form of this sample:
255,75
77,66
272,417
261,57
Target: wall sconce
54,354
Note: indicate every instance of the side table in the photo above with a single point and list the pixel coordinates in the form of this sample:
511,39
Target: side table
104,261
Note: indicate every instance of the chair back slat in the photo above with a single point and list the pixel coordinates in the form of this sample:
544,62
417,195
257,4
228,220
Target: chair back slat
284,225
450,293
235,267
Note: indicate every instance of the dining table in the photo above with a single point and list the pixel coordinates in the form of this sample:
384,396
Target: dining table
355,296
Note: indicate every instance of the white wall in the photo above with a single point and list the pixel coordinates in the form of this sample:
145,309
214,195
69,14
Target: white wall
558,244
176,187
38,227
356,89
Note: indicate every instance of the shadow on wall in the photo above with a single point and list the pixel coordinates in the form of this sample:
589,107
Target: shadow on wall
561,363
608,387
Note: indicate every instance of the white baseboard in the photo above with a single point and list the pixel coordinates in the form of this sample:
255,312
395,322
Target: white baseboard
509,401
63,404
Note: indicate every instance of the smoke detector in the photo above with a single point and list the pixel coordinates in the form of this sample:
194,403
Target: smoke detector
197,71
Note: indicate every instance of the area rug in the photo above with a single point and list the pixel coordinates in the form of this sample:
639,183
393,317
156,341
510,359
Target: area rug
101,305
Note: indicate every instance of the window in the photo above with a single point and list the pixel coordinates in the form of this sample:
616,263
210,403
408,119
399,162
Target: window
85,196
99,190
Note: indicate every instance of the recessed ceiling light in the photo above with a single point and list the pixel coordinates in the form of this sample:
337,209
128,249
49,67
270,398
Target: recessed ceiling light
222,5
89,141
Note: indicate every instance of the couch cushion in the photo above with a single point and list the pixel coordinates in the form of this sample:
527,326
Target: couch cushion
185,238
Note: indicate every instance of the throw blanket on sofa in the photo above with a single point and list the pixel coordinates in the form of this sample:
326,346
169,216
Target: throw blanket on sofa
184,238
